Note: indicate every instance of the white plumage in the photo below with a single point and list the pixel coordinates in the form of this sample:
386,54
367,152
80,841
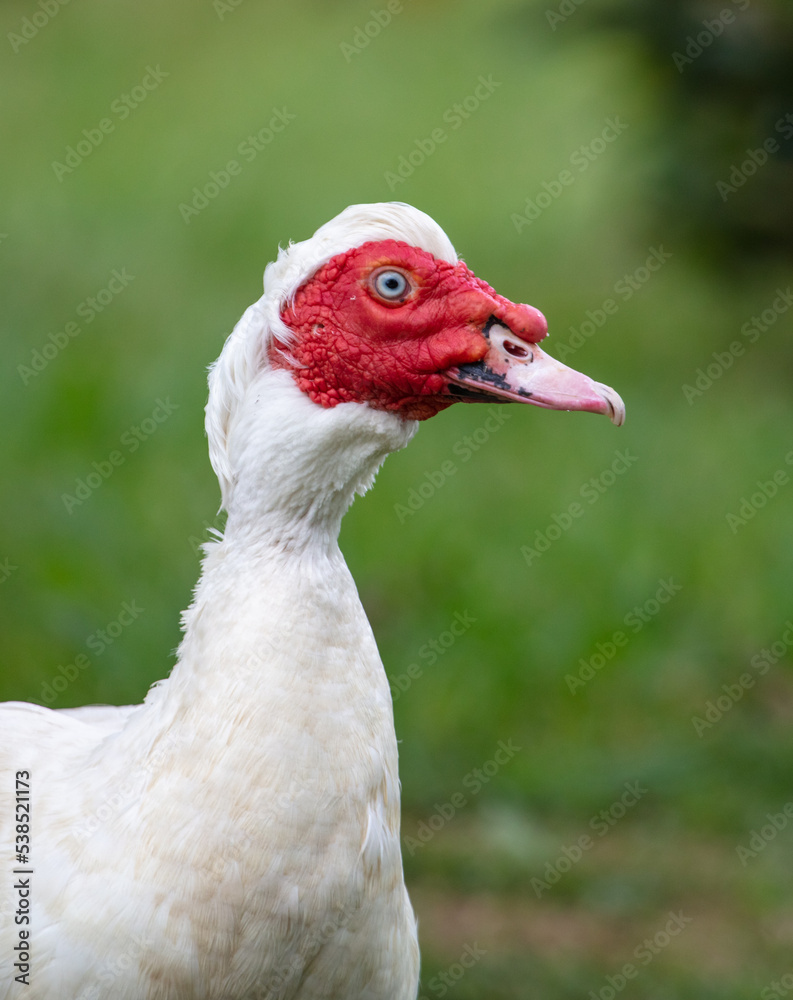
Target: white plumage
236,836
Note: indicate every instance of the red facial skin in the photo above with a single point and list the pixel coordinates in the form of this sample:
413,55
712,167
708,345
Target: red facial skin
353,345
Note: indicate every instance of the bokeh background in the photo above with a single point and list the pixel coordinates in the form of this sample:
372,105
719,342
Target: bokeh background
699,173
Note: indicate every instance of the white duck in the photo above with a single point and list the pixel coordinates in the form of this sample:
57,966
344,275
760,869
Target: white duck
236,836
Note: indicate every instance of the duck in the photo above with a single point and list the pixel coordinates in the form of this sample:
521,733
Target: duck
237,835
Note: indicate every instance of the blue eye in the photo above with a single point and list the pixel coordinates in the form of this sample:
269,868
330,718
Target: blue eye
391,285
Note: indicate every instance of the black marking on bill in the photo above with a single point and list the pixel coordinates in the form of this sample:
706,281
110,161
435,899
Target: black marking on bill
479,372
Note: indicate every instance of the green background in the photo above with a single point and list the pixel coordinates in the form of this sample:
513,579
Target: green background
358,110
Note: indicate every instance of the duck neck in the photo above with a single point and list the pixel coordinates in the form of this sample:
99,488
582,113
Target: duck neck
276,608
297,466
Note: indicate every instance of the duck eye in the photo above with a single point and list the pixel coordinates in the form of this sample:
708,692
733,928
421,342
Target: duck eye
391,285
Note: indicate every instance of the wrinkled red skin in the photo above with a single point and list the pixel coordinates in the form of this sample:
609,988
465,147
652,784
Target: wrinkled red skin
351,345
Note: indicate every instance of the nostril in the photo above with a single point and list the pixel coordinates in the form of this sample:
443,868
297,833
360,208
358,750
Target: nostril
516,350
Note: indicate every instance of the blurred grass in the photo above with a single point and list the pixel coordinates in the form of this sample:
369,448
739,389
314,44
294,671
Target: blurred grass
135,537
